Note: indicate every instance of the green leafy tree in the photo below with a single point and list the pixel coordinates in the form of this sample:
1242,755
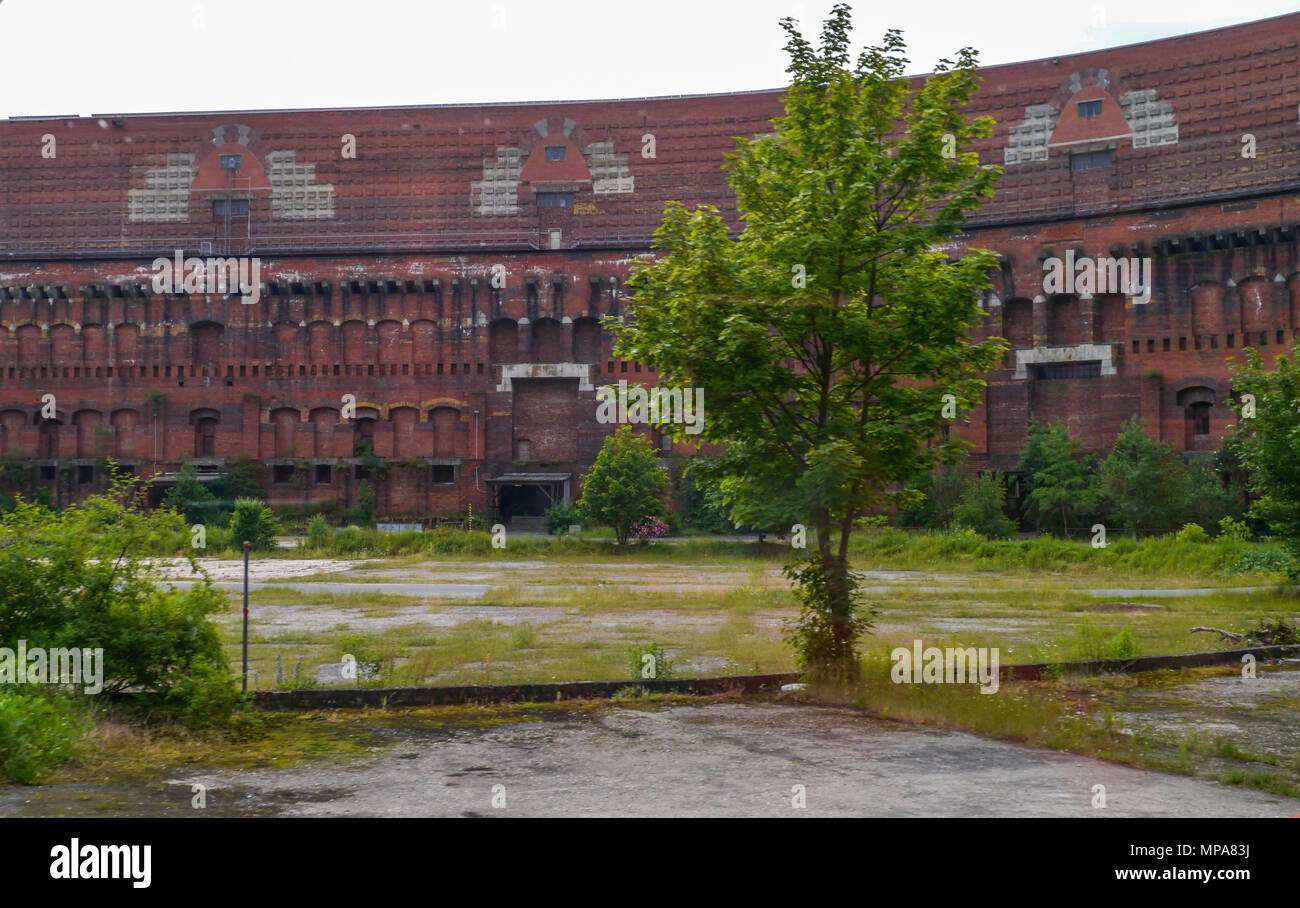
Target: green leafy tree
1146,484
242,477
826,334
1060,477
192,498
1269,444
1143,482
253,522
625,484
982,507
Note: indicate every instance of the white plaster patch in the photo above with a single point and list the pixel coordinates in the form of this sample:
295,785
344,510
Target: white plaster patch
609,173
295,194
1152,121
498,192
166,196
1028,138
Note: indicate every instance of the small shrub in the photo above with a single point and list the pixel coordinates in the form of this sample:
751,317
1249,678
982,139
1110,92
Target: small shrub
649,659
825,644
982,508
1192,532
560,517
318,531
369,661
205,696
1234,530
255,523
1122,646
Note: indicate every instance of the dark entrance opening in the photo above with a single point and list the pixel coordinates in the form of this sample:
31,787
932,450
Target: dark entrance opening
520,500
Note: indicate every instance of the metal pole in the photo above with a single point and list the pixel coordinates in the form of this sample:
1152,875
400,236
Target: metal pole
247,546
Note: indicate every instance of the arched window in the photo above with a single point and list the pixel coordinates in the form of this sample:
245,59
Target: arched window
1198,414
1196,403
205,437
363,438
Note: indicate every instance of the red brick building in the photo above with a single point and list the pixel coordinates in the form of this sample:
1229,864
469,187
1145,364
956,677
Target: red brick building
431,279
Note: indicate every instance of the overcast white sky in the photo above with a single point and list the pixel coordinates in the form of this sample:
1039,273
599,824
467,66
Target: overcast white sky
126,56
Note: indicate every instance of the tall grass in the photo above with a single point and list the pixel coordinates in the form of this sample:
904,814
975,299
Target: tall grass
1166,555
1032,714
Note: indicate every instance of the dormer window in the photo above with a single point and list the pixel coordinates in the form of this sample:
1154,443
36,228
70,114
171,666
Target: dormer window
555,152
1089,109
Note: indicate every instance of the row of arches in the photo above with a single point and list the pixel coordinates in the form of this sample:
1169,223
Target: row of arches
400,431
84,434
1256,304
1064,321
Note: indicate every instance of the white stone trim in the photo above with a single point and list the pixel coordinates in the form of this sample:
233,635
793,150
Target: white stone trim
580,371
1074,354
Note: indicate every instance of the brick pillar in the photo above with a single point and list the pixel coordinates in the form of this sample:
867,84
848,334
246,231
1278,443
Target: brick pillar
1232,308
1152,388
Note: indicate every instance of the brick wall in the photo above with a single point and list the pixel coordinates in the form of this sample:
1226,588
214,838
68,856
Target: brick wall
404,280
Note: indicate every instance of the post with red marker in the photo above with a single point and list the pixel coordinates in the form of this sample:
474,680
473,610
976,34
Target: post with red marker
247,546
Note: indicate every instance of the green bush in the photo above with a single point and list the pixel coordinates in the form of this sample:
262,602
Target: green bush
37,732
1192,532
658,664
366,503
318,531
1093,646
823,642
253,522
983,508
1234,530
559,517
84,577
205,696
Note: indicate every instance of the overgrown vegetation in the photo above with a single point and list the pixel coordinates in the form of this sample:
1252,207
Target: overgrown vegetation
82,578
1269,445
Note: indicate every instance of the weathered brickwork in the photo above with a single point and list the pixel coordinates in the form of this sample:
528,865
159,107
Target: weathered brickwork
433,279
